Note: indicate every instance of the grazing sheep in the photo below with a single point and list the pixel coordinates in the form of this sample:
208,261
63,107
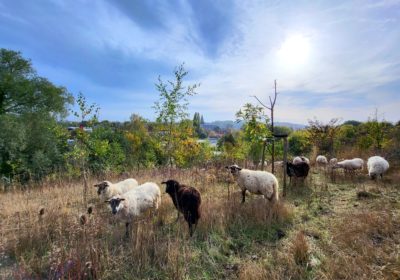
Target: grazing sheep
106,189
187,200
298,170
350,165
278,164
377,166
321,160
300,159
135,202
333,161
257,182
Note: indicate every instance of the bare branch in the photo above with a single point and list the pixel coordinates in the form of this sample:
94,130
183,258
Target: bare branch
261,102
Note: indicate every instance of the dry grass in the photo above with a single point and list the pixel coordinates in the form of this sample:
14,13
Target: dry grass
316,232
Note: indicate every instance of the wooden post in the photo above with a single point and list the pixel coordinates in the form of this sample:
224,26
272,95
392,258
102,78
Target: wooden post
285,148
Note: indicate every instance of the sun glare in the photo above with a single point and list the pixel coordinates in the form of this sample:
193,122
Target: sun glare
294,51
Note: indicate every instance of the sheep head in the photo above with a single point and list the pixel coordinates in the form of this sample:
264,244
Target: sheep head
172,186
115,204
101,187
290,169
234,169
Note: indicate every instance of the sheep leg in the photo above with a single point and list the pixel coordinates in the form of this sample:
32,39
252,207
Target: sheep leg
243,196
190,229
126,230
177,218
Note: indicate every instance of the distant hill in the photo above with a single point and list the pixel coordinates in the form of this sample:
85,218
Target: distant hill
237,125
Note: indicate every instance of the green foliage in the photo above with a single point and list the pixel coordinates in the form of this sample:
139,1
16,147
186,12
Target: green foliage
299,143
141,148
374,134
323,135
23,91
233,146
31,144
173,103
255,129
199,131
171,108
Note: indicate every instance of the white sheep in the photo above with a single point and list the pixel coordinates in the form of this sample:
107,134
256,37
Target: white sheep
106,189
333,161
350,165
135,202
377,166
299,159
256,182
321,160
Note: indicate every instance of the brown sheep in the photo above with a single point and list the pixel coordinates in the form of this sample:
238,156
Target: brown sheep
187,200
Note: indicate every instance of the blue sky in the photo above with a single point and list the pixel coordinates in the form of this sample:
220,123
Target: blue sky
330,58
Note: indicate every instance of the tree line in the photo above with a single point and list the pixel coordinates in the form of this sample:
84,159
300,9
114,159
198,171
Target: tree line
35,142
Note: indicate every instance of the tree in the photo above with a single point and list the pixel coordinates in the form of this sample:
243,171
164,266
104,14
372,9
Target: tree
323,135
32,143
172,107
23,91
299,143
271,108
80,153
255,129
200,132
374,133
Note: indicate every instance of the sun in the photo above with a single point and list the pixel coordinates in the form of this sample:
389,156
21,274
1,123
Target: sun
295,50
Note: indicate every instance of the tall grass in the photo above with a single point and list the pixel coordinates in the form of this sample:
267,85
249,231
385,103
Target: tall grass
312,233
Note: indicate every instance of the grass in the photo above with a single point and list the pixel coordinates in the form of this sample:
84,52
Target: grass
333,226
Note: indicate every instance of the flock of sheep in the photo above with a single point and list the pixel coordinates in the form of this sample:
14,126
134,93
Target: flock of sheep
376,165
128,199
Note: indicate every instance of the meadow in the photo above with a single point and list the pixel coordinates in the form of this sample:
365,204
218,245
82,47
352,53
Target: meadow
334,226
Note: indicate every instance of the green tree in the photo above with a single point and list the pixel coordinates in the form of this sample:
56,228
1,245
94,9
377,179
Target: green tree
299,143
374,134
30,106
255,129
84,145
323,135
199,131
23,91
172,107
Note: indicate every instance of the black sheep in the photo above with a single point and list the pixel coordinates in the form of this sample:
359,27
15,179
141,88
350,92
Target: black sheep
299,170
187,200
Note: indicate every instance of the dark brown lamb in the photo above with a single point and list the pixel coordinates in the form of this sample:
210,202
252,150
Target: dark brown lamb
187,200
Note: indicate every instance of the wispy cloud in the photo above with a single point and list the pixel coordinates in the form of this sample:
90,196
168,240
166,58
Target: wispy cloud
113,51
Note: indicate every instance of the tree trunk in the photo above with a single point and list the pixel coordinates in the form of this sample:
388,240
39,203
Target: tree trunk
273,140
263,155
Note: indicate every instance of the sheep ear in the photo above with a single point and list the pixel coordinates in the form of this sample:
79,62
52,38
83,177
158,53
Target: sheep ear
121,199
96,185
227,167
163,183
239,168
107,201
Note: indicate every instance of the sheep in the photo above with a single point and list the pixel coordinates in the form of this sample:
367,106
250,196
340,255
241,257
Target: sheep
106,189
187,200
377,166
300,159
278,163
299,170
321,160
135,202
333,161
350,165
256,182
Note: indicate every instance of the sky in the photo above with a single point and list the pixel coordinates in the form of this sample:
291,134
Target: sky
331,59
